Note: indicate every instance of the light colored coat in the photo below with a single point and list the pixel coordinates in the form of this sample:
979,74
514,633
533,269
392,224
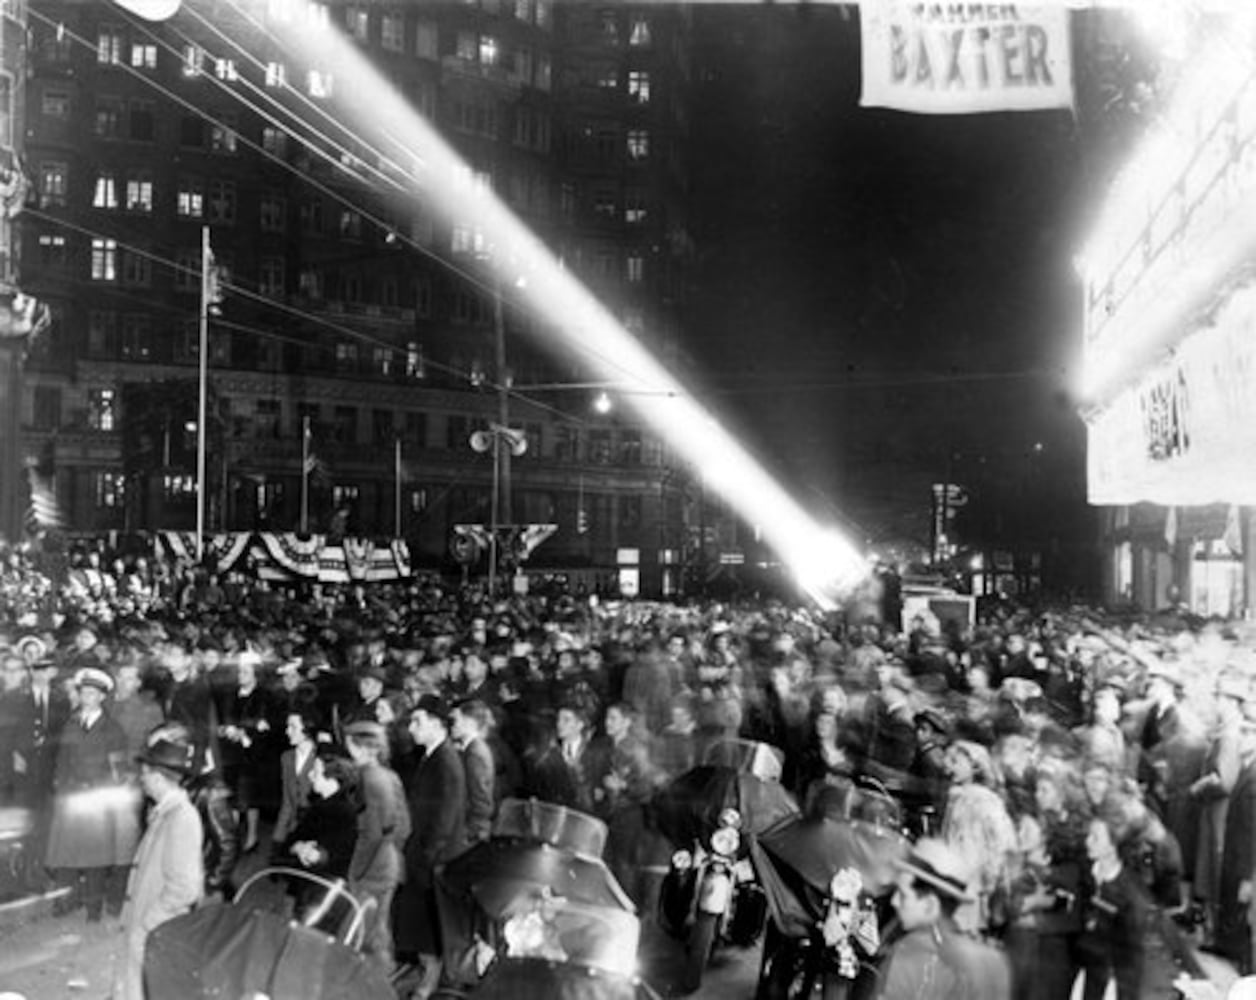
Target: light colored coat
166,882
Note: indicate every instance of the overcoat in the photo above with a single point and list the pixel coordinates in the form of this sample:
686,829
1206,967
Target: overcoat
166,881
438,807
1238,855
95,812
1212,798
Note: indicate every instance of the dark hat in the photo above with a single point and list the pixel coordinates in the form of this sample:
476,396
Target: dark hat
940,866
170,755
44,663
934,719
94,677
367,731
435,705
375,672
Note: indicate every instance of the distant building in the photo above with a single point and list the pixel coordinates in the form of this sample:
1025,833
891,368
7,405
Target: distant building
1169,352
367,321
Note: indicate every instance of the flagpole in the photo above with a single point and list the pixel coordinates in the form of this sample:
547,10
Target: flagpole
203,381
305,475
397,487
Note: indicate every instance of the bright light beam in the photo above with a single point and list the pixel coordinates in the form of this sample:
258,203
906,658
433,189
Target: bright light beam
823,560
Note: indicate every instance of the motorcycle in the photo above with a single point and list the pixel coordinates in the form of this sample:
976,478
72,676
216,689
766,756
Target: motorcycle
710,895
538,890
827,880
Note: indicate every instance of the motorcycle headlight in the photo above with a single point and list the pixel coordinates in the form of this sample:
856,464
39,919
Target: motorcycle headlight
682,861
731,818
725,840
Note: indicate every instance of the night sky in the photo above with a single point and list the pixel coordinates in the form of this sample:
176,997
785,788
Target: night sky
883,297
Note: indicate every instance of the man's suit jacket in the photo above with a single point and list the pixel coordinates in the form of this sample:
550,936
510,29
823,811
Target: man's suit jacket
295,795
438,811
480,768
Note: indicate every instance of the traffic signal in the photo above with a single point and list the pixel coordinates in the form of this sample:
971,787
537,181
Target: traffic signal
582,521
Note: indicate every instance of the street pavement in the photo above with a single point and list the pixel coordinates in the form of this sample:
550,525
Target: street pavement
66,958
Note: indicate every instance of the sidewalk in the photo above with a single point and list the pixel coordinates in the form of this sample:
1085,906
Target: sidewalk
59,958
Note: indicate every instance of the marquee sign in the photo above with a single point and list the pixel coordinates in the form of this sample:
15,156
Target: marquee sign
1185,434
961,58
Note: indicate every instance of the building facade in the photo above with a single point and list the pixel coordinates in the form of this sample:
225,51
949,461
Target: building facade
360,341
1170,305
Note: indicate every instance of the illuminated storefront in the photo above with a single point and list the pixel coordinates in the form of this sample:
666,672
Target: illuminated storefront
1170,348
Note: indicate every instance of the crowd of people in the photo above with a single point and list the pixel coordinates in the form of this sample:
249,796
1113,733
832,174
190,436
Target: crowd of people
1094,779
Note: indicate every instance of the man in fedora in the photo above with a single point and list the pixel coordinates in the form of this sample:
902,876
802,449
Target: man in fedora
933,958
169,877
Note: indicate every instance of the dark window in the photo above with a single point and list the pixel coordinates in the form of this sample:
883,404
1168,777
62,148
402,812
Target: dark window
142,120
47,407
192,131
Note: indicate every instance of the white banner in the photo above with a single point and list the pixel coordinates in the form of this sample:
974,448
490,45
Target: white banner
961,58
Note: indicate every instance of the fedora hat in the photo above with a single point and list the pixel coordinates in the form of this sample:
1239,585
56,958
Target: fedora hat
939,865
171,755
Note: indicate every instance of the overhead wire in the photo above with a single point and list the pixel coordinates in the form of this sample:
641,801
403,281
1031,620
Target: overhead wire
313,182
366,144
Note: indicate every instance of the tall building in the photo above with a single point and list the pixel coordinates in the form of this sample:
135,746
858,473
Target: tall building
361,341
18,313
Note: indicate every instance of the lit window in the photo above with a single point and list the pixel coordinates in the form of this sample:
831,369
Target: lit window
634,208
460,242
104,260
543,73
319,14
467,46
110,490
319,84
190,202
543,13
52,252
106,193
638,144
639,86
53,183
344,495
523,10
415,367
143,55
276,74
488,50
222,138
193,60
109,48
225,69
639,33
634,269
101,409
608,78
383,358
139,194
178,486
